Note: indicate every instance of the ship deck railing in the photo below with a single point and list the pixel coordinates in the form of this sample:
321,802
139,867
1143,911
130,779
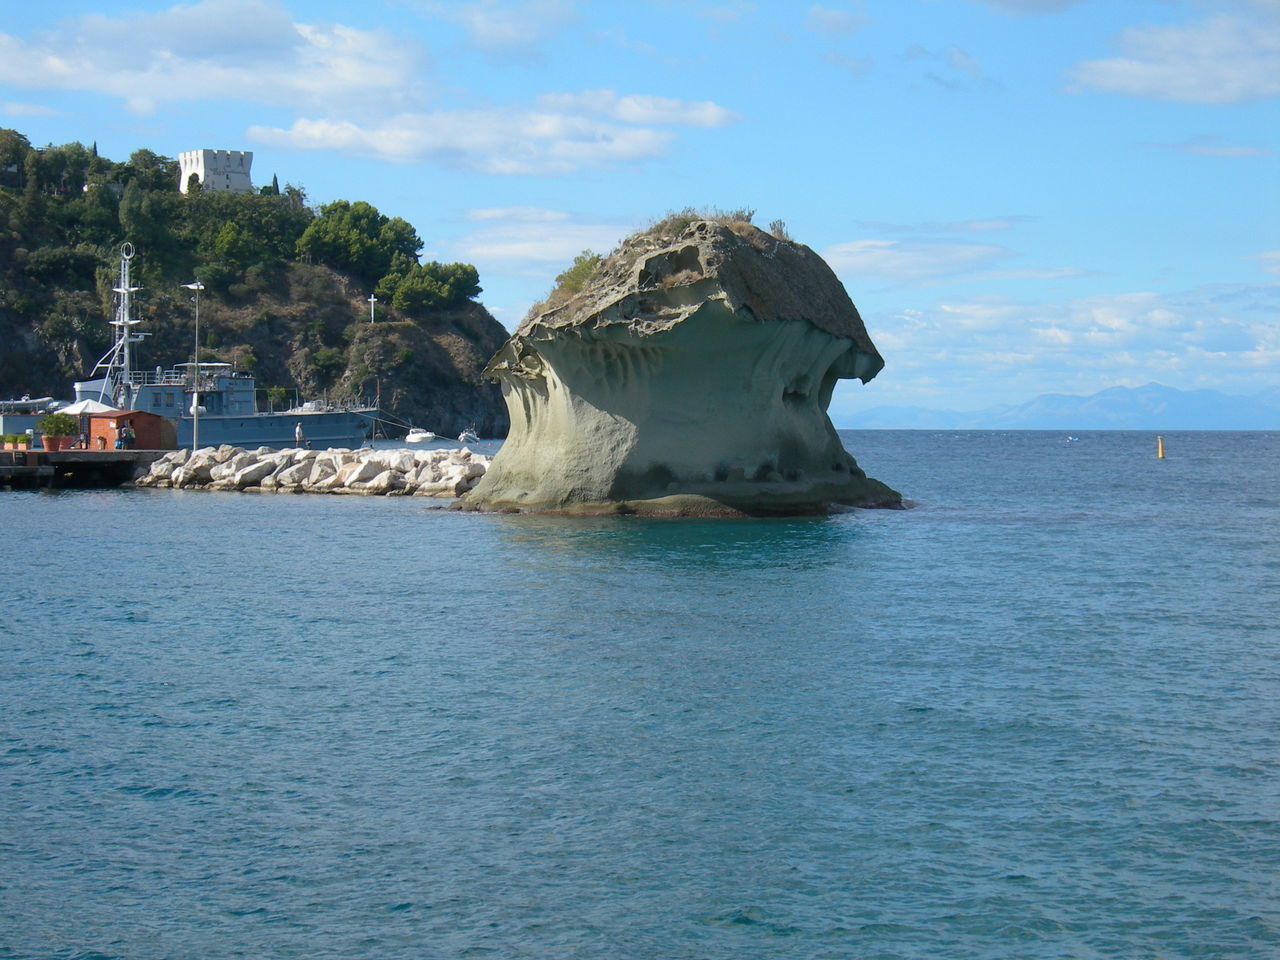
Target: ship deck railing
180,375
328,406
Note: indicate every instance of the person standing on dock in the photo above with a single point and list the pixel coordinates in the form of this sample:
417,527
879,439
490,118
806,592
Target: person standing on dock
300,438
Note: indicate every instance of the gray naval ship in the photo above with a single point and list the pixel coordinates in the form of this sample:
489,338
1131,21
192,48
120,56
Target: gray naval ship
210,403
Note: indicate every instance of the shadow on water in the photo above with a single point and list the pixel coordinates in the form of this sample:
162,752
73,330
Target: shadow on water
703,545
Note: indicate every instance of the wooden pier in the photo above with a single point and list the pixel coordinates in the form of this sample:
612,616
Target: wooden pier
72,469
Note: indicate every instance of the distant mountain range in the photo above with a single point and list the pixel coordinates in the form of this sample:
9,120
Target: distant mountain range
1153,407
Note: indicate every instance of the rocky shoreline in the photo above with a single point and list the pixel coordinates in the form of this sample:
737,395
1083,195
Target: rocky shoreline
419,473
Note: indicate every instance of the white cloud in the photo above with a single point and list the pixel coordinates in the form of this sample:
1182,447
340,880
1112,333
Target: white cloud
834,20
560,134
1221,59
962,70
248,50
727,15
518,214
1213,147
509,29
1030,6
857,67
955,226
960,60
1268,260
911,262
1039,273
526,247
1222,336
518,243
353,91
635,108
27,110
498,141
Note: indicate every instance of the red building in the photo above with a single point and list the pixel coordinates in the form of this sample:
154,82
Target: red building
152,432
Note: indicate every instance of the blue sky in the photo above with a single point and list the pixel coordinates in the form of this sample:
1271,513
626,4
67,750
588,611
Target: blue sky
1021,196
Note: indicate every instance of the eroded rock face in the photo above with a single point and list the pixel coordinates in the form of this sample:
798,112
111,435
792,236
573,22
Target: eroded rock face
691,375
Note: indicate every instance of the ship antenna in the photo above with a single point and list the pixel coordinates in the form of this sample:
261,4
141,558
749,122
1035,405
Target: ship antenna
121,368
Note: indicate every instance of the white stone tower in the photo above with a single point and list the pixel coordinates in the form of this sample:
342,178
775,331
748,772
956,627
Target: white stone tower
217,169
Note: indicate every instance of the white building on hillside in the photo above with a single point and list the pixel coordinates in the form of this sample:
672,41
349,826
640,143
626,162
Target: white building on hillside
216,169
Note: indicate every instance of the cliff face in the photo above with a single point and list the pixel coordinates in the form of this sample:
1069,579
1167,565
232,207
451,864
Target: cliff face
428,372
690,375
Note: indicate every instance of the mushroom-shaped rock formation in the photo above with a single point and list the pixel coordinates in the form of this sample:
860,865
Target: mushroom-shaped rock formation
688,375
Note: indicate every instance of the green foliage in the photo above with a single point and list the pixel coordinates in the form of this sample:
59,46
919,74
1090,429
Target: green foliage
74,315
14,148
62,266
217,277
57,425
419,293
150,171
356,239
327,363
570,282
234,247
386,289
675,223
242,232
94,216
435,286
573,279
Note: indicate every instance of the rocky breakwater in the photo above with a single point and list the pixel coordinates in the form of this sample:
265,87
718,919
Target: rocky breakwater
420,473
689,374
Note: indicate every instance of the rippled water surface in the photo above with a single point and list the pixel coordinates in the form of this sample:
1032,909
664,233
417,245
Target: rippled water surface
1034,716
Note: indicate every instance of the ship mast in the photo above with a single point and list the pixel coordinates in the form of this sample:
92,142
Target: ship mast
112,377
124,324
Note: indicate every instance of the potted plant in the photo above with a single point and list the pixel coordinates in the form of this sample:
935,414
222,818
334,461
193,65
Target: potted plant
58,428
22,441
10,442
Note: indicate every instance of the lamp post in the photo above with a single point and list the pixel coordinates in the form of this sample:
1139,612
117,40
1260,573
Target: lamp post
372,301
197,286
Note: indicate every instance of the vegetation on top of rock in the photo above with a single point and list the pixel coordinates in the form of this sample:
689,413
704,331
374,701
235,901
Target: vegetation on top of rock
585,265
569,283
676,222
286,286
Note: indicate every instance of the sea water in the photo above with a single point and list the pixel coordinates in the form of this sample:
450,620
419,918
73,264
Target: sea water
1035,715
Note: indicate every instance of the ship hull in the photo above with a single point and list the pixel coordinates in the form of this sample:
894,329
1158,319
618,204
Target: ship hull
323,429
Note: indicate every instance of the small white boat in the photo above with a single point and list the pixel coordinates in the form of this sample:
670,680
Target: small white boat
418,435
468,436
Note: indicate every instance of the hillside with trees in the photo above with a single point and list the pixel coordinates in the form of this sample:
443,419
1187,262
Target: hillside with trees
286,288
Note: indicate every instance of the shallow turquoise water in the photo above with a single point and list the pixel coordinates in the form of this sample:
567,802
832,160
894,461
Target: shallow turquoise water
1034,716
